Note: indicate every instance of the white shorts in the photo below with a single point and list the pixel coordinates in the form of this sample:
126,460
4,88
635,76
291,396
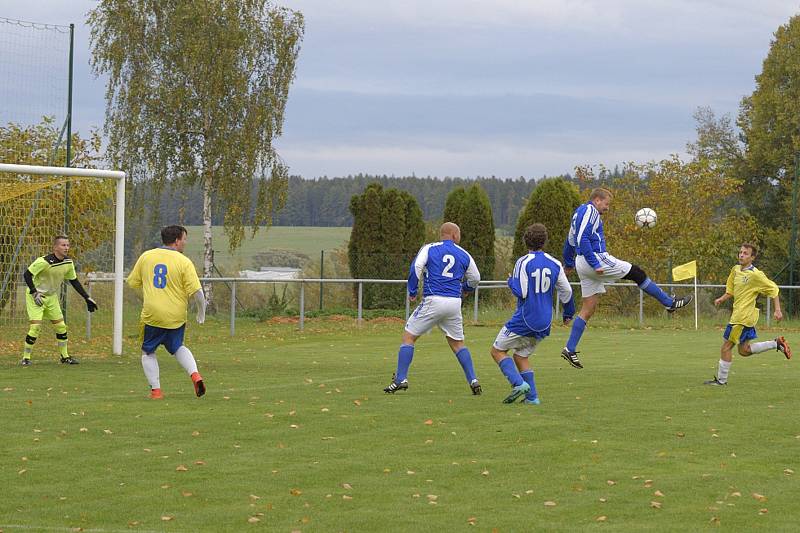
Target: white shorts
508,340
439,311
593,283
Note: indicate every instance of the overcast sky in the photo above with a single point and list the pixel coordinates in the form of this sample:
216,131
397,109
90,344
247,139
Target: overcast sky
502,87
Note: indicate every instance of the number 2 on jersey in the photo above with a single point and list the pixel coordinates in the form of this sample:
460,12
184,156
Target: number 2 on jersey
160,276
541,280
450,262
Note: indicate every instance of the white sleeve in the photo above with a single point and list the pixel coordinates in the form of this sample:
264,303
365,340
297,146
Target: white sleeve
472,274
563,287
200,301
421,261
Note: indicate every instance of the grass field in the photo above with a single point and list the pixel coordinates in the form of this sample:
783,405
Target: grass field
306,240
295,434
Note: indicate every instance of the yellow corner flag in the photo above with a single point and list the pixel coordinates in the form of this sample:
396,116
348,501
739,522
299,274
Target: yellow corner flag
685,271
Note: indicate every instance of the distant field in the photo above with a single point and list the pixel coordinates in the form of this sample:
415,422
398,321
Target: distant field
304,239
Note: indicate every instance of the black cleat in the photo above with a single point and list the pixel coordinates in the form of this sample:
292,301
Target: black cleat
26,361
395,386
715,382
69,361
677,303
572,358
476,387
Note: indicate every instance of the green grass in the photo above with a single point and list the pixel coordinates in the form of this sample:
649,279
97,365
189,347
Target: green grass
296,433
306,240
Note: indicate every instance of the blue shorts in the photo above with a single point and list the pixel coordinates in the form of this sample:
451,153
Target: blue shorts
153,336
738,334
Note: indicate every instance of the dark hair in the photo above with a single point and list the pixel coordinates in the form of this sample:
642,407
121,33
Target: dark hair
170,234
535,236
60,238
753,248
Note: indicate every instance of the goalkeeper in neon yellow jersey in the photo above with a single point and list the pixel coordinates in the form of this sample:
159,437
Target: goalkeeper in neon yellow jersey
745,284
44,278
167,279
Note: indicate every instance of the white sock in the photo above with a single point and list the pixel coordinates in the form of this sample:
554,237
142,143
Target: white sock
150,366
758,347
722,371
186,360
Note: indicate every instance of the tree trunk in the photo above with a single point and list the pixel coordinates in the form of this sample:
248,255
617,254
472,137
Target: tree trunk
208,250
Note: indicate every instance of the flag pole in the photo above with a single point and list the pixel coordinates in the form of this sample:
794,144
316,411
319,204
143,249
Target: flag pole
695,303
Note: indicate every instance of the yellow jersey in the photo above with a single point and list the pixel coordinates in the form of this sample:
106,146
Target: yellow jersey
167,279
746,285
49,272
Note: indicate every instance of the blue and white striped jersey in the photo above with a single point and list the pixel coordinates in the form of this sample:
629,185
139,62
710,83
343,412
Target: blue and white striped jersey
444,265
536,275
585,236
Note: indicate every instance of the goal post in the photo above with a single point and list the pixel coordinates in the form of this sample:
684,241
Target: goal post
11,189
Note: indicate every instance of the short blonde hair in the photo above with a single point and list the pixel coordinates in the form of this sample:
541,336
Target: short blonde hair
600,192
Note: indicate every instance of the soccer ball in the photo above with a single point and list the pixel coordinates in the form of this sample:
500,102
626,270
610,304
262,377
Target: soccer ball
645,218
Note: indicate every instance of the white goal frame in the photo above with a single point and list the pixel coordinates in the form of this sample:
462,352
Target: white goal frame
119,227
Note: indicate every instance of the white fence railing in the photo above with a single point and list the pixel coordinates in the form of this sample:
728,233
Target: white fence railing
484,285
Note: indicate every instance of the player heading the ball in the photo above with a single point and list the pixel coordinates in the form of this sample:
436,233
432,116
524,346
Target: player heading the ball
585,251
444,265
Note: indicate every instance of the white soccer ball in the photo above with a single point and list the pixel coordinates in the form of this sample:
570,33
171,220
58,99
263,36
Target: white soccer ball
645,218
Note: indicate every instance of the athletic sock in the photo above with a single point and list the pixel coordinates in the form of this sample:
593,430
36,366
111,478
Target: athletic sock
465,360
649,287
404,358
186,360
510,371
722,371
30,340
758,347
578,327
150,367
528,377
61,335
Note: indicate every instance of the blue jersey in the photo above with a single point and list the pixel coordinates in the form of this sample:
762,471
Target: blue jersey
536,276
444,265
585,236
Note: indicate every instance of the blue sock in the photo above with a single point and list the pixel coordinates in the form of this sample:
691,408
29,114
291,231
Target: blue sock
404,357
510,371
465,359
528,377
578,325
649,286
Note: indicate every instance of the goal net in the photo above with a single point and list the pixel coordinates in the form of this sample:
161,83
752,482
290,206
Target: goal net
35,204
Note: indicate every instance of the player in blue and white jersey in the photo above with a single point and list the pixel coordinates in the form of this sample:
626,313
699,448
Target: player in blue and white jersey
536,276
443,265
585,251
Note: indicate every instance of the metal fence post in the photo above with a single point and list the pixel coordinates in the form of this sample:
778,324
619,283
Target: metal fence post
408,307
302,303
88,314
641,308
475,310
233,308
769,312
360,300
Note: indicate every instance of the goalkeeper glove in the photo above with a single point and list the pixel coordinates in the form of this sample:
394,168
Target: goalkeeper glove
38,298
91,305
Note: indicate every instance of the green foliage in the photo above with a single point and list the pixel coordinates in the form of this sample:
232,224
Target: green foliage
477,228
196,94
32,208
387,232
452,206
551,203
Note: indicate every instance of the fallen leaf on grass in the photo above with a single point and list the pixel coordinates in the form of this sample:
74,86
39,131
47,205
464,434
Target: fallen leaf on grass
549,503
199,462
611,482
429,422
648,483
83,430
22,471
167,518
472,521
181,468
346,497
485,473
737,494
195,433
763,511
356,402
295,492
108,432
759,497
253,520
658,493
788,471
186,493
432,497
347,486
655,505
602,518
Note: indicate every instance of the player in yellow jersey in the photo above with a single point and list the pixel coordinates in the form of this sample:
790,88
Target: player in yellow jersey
167,279
745,283
44,278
